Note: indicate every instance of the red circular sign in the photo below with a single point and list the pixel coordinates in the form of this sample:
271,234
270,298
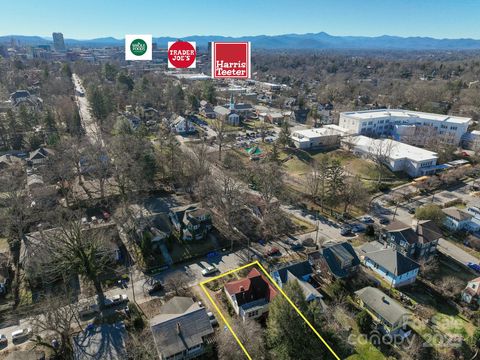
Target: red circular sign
181,54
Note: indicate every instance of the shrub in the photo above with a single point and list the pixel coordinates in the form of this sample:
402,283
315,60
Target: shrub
364,322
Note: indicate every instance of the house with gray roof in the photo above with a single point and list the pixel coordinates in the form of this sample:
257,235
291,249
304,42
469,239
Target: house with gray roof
300,272
181,330
457,220
337,260
417,241
191,221
391,317
390,264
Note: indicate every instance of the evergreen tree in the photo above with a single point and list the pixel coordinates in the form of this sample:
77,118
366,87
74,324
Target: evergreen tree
288,335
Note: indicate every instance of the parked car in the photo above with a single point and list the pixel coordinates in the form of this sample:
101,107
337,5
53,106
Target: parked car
213,320
88,310
357,228
156,287
296,246
474,266
384,221
3,340
411,210
21,334
116,300
272,251
346,230
209,270
366,219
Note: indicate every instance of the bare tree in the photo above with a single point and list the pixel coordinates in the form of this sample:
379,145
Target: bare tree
219,126
141,346
353,193
178,283
56,321
249,332
71,249
379,153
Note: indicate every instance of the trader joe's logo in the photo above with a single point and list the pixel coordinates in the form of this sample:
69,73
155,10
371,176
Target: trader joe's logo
231,60
138,47
181,54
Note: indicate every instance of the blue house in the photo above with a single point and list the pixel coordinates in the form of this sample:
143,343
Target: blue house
301,272
391,265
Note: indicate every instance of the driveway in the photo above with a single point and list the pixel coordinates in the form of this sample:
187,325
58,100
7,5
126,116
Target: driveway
451,250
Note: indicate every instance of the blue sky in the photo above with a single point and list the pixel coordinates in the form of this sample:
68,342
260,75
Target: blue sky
86,19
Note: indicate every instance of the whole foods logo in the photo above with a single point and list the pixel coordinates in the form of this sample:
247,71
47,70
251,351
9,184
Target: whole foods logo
138,47
231,60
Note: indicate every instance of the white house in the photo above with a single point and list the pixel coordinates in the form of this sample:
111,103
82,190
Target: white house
407,126
397,156
328,135
250,296
182,125
472,291
457,219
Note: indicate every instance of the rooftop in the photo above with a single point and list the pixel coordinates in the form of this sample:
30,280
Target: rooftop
407,114
396,149
382,304
181,325
388,258
254,287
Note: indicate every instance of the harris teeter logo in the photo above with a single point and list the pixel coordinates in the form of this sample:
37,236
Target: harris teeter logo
138,47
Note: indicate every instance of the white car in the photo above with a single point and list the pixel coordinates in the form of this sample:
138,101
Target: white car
209,269
21,334
116,300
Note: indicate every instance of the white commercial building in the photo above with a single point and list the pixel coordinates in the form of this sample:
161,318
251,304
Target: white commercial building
412,127
396,155
328,135
471,140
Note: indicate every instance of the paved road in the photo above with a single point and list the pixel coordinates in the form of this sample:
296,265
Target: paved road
449,249
92,131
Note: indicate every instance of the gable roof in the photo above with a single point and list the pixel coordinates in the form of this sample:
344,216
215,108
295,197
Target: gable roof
457,214
298,270
382,304
339,253
254,287
178,331
424,232
40,153
388,258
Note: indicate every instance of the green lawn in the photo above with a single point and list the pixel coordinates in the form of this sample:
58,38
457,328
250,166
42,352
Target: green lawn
365,349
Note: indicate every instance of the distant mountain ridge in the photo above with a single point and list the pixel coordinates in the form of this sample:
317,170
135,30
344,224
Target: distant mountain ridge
319,40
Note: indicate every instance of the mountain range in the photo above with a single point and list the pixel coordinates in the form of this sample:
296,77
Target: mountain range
319,40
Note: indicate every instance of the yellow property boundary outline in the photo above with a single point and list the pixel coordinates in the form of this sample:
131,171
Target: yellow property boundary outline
202,285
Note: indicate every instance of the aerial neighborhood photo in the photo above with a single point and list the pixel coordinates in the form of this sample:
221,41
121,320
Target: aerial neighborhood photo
223,180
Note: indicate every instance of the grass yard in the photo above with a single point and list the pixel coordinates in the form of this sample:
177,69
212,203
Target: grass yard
184,250
4,245
365,349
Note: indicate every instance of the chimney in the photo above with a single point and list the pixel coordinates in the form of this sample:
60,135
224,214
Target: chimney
415,224
242,289
179,330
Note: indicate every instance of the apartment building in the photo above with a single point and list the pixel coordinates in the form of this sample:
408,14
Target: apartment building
411,127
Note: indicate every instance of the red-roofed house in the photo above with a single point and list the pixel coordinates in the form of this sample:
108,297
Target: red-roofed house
250,296
471,293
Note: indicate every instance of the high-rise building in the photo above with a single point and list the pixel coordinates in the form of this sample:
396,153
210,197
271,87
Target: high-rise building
58,42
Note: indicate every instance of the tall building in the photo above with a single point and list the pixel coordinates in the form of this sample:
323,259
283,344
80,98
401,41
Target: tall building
412,127
58,42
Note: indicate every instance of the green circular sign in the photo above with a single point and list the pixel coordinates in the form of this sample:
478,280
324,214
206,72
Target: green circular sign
138,47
